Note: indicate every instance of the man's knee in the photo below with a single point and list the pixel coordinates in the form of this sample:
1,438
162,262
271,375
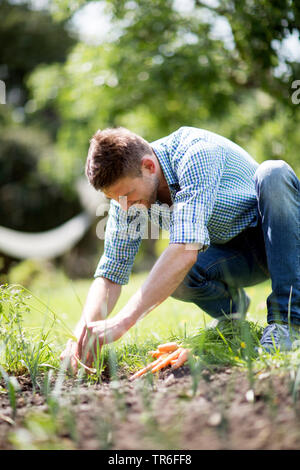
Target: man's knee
193,285
273,177
182,292
271,172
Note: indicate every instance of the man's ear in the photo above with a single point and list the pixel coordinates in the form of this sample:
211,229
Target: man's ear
148,164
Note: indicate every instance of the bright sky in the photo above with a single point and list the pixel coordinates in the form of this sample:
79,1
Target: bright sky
93,23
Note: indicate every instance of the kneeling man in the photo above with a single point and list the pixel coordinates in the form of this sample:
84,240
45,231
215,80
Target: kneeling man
233,223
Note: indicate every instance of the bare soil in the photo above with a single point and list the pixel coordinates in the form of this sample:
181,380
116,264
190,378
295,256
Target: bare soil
222,413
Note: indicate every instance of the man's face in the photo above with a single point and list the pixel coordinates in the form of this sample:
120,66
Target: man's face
134,191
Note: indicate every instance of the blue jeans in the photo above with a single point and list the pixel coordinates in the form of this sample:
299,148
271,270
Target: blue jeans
269,250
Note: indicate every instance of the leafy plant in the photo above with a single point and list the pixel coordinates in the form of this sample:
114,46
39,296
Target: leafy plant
23,350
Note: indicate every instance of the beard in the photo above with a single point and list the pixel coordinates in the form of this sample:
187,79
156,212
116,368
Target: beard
149,197
153,187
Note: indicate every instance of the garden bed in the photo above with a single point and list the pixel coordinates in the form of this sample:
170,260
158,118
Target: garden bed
164,413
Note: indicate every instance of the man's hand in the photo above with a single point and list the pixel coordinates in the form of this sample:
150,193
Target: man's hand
96,334
69,354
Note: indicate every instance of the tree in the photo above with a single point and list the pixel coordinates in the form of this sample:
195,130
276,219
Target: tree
29,200
166,68
28,38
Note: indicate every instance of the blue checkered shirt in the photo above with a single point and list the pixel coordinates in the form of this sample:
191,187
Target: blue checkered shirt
211,181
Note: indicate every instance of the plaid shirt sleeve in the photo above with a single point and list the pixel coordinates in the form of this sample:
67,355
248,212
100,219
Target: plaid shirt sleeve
199,171
122,241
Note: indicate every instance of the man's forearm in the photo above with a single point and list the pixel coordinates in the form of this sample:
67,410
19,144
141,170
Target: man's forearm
100,301
165,276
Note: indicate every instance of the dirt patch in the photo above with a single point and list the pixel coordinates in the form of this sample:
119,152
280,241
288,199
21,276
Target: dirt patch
221,411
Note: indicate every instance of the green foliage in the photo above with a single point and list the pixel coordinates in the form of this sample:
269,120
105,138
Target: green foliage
229,343
166,67
258,27
28,38
25,272
165,64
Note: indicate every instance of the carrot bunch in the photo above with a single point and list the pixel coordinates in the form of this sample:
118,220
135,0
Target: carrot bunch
165,355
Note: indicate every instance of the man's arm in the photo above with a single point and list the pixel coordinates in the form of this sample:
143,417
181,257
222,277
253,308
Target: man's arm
101,299
112,272
167,273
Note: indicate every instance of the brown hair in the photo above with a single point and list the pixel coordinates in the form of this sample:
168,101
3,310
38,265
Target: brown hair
113,154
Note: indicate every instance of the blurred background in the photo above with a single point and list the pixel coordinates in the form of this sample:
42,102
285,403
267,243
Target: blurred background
70,67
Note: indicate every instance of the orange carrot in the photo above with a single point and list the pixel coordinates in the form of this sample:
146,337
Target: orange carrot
165,362
166,354
156,353
143,371
168,347
182,358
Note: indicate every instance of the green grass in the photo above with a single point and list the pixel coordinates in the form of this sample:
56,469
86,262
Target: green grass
41,320
172,317
58,298
41,323
56,304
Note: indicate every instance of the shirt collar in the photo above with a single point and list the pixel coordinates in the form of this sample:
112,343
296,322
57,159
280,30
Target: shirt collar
163,157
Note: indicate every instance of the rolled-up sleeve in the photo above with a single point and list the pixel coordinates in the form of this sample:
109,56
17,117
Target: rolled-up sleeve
122,241
199,173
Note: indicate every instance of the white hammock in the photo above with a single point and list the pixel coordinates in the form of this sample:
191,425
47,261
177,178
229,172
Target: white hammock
48,244
57,241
